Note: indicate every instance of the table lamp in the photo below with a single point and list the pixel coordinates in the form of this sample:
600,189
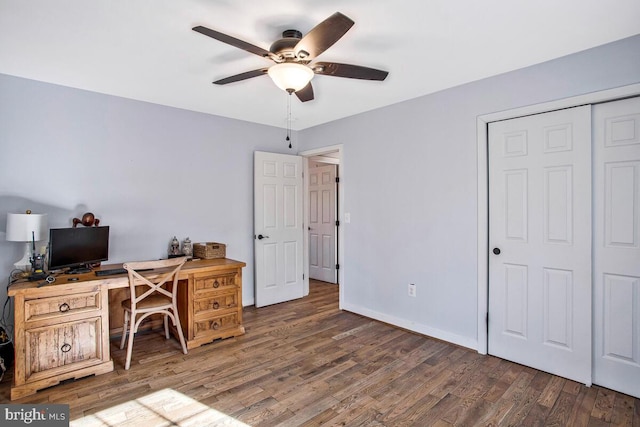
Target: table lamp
29,228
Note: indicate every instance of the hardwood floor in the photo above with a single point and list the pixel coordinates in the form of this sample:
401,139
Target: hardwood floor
307,363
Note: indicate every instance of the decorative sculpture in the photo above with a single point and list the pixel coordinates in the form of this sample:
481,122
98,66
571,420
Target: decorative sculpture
187,248
174,248
88,220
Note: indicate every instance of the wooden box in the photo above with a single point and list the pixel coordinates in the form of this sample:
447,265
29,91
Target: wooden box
209,250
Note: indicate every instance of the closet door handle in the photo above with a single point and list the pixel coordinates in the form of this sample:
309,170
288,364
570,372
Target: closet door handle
496,251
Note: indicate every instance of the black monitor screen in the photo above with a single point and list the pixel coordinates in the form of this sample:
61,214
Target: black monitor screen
77,247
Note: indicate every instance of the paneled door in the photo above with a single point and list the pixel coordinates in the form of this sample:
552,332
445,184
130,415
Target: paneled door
616,249
322,223
540,242
278,228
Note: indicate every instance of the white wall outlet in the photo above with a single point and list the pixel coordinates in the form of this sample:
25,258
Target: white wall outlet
412,290
347,217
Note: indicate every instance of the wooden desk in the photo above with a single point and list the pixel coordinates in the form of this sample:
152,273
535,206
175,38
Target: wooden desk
62,329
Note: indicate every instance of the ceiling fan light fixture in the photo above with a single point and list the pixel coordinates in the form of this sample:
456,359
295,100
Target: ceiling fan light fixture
290,76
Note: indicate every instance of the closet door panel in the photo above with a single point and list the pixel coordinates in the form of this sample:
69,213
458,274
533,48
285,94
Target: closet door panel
616,245
540,241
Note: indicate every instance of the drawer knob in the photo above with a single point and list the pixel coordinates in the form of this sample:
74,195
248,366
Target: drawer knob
65,348
64,307
216,305
216,284
216,325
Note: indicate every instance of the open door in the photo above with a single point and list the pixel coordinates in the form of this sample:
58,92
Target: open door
278,227
322,223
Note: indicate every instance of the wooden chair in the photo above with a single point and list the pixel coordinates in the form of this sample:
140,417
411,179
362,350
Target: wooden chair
157,299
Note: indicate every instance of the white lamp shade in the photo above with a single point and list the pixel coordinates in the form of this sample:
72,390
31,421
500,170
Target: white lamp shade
290,76
27,227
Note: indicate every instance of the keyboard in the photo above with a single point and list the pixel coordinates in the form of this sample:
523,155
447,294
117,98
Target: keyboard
111,272
114,271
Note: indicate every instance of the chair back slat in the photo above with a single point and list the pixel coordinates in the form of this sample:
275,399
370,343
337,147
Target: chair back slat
153,284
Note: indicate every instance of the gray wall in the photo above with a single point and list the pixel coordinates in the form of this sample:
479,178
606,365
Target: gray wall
410,184
149,172
409,179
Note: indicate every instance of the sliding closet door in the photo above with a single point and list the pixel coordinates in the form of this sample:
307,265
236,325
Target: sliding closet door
540,241
617,245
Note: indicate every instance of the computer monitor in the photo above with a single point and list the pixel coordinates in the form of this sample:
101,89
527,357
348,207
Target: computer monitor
78,248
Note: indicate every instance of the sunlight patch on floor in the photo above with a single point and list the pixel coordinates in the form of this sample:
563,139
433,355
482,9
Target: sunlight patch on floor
166,407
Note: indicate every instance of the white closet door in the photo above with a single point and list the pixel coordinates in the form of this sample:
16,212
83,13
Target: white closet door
617,245
540,241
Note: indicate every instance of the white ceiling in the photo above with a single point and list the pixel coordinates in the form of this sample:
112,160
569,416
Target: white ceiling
146,50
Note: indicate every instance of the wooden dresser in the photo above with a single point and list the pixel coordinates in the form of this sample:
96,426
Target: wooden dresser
210,306
62,330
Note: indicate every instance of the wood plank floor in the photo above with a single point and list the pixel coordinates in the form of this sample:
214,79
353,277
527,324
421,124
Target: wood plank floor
307,363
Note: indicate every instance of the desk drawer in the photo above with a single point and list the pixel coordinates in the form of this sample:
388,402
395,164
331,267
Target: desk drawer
59,348
215,324
215,303
48,308
207,283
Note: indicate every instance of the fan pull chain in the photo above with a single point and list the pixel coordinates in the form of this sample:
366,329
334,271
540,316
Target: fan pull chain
289,119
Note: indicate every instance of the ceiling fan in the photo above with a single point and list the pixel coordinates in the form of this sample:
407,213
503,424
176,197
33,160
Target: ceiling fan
293,54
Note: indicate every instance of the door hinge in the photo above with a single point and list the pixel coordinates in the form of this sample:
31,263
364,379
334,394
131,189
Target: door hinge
337,179
487,317
337,266
337,223
302,276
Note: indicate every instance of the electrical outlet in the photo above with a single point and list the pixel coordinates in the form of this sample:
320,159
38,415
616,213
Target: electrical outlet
412,290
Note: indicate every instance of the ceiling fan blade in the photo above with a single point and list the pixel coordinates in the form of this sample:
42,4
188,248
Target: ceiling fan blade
323,36
232,41
348,70
242,76
306,93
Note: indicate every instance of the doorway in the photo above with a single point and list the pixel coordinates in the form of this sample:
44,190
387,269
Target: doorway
330,155
322,225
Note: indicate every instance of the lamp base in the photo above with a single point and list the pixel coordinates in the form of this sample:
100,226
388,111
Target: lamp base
37,276
25,263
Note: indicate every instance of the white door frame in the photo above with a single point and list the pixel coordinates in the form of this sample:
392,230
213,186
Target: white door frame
340,217
482,123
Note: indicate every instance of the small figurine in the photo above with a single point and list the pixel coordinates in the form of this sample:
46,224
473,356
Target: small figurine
87,220
187,248
174,248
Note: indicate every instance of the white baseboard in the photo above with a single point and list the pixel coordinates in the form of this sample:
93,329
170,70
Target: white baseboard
414,327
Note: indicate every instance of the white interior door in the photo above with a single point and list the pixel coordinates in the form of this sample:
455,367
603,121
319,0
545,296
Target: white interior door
278,227
322,223
616,248
540,242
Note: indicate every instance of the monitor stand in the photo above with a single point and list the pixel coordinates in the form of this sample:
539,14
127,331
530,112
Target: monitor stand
79,270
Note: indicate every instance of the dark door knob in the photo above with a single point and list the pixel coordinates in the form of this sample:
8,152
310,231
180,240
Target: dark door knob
260,237
496,251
